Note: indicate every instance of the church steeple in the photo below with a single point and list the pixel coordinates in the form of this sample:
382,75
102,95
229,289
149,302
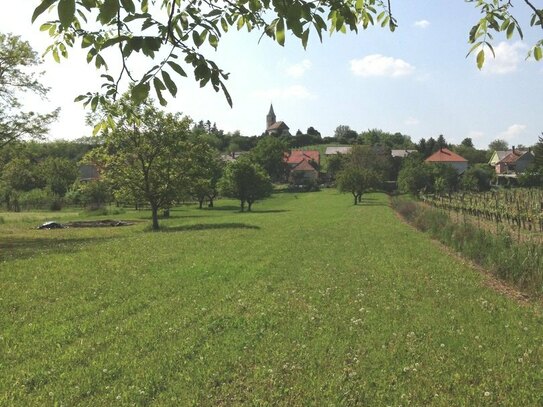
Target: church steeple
270,118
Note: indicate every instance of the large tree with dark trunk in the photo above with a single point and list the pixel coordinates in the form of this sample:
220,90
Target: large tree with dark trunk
146,154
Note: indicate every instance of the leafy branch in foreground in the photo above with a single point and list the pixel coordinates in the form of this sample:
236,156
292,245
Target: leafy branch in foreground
176,33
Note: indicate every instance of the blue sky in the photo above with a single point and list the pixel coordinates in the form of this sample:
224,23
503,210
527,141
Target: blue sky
415,80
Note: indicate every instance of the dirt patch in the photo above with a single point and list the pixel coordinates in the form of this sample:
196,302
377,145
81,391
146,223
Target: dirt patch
86,224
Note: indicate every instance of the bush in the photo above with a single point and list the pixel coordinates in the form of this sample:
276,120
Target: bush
39,199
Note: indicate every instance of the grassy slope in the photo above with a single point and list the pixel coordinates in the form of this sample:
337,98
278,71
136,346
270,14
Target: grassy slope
308,301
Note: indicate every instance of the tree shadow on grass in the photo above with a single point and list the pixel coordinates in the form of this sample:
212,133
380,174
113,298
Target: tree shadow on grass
15,248
222,208
209,226
269,211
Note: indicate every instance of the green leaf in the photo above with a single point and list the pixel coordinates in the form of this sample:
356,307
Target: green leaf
510,30
172,87
177,68
66,12
108,11
56,56
140,92
481,59
280,32
96,129
213,41
537,53
129,6
305,38
197,39
45,4
159,87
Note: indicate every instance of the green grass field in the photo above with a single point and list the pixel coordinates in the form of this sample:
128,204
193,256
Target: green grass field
307,301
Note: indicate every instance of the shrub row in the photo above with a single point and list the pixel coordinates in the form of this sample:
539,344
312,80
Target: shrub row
518,263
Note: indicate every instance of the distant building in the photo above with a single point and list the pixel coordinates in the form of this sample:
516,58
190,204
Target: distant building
337,150
446,156
497,156
515,162
274,127
303,165
232,156
88,172
401,153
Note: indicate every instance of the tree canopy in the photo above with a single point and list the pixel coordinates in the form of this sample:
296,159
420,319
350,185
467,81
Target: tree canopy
184,30
16,56
145,156
245,181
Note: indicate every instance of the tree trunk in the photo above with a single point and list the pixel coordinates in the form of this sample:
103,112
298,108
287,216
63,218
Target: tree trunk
154,209
200,203
242,205
250,204
355,198
210,202
359,197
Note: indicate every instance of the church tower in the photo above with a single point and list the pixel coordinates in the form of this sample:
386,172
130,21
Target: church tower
270,118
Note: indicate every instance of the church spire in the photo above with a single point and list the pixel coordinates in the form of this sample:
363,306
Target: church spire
270,118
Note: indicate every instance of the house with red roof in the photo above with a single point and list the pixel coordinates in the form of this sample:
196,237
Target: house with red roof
516,161
303,165
446,156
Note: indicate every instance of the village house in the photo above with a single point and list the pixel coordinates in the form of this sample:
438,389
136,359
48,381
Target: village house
337,150
88,172
515,162
447,157
303,165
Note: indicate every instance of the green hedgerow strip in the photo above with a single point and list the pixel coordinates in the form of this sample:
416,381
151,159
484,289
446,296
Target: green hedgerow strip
517,263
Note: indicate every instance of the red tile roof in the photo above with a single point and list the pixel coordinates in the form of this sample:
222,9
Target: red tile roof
304,166
445,155
299,155
512,157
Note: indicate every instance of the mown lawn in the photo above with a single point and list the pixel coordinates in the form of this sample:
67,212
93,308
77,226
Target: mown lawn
307,301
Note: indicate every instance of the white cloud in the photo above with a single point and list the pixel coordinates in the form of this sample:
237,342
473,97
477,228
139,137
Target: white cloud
412,121
421,24
380,65
508,56
299,69
289,92
512,132
476,135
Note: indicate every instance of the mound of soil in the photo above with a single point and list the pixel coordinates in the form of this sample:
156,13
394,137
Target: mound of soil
85,224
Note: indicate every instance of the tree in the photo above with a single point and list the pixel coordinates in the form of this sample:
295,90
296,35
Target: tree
415,175
498,145
467,142
245,181
335,165
58,173
344,134
269,153
16,56
146,154
376,159
357,181
204,172
183,29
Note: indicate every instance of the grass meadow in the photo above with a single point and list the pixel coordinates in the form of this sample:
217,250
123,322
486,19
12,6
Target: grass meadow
307,301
